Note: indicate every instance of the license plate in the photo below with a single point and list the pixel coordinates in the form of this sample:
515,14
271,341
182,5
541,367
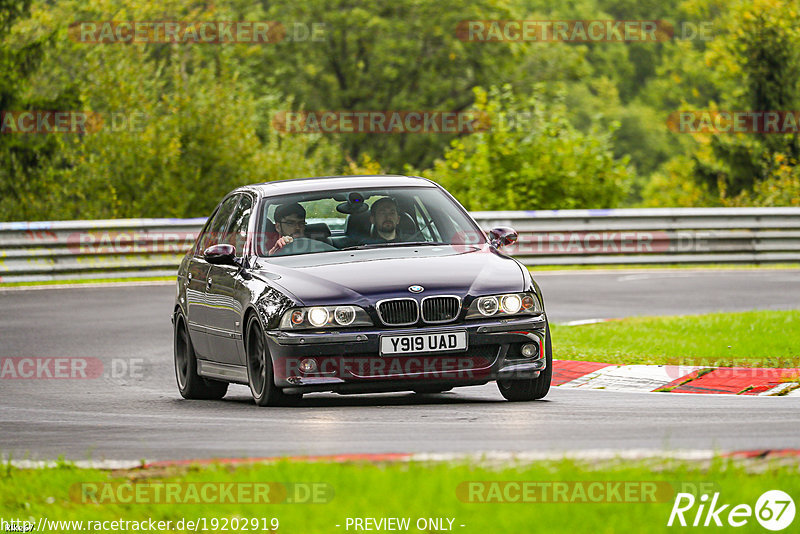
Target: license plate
413,343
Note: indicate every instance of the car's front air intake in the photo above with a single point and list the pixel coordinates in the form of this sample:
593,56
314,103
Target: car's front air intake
398,312
440,309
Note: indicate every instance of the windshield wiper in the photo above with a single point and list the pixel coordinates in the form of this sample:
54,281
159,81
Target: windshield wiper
400,244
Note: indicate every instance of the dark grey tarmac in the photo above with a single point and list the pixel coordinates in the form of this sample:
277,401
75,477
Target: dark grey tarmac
134,410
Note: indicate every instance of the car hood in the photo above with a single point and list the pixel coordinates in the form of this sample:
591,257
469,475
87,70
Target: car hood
366,276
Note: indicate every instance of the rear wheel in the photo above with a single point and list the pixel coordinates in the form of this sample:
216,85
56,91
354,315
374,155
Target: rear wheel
530,388
190,384
260,375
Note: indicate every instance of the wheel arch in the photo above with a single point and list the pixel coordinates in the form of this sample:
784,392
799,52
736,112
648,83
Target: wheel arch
248,313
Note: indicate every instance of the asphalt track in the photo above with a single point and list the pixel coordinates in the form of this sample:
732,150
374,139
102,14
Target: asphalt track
134,411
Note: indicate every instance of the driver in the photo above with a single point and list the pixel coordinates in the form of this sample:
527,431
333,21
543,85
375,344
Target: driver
385,219
290,222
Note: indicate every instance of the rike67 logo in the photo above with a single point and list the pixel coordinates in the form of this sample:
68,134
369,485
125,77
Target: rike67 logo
774,510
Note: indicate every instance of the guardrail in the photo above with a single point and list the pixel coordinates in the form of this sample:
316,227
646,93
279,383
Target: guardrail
126,248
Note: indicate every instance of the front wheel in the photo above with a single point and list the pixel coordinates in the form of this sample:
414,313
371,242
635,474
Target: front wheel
260,375
190,384
530,388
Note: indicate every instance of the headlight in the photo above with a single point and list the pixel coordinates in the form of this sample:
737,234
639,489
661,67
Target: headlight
511,304
318,316
324,317
487,306
344,315
504,306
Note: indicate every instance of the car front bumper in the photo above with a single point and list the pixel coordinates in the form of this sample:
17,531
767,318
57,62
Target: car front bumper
349,361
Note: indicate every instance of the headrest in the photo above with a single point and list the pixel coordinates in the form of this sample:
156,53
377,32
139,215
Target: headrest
318,230
357,224
407,224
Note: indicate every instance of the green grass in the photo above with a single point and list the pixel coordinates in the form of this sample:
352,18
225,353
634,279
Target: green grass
413,490
88,281
636,266
758,338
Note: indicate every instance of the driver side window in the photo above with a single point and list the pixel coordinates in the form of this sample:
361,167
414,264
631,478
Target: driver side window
237,231
214,233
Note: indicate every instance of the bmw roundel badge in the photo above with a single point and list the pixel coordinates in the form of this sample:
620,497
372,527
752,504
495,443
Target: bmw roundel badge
416,289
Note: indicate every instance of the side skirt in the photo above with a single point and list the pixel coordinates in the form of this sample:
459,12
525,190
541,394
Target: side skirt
222,371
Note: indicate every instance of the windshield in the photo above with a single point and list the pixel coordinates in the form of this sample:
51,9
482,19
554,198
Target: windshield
353,219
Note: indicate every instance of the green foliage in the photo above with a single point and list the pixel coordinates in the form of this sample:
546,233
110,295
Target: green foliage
531,157
385,55
25,160
673,186
188,128
753,64
766,48
781,188
596,134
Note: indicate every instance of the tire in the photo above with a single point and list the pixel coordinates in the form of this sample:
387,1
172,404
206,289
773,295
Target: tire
190,384
532,388
260,376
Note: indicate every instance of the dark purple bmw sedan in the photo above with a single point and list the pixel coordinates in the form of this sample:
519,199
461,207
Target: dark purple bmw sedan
355,284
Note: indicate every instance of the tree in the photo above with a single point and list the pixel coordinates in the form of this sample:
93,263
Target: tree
25,157
381,56
531,157
762,57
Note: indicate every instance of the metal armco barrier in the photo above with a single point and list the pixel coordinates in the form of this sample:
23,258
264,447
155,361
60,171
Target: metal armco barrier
125,248
651,236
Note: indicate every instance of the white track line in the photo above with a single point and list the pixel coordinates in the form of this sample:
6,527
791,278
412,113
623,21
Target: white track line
90,285
480,457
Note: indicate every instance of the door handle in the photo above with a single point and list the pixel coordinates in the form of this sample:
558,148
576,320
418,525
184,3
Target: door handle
208,284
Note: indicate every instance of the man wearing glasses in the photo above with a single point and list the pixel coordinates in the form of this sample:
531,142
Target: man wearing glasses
290,222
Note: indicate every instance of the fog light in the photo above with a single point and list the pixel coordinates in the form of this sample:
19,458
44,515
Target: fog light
308,365
530,350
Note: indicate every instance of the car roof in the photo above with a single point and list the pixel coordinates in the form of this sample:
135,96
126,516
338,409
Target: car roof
323,183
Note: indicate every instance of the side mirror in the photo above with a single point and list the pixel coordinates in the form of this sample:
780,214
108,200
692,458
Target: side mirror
502,236
222,254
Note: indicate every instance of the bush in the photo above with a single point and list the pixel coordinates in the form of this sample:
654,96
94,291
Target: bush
530,157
